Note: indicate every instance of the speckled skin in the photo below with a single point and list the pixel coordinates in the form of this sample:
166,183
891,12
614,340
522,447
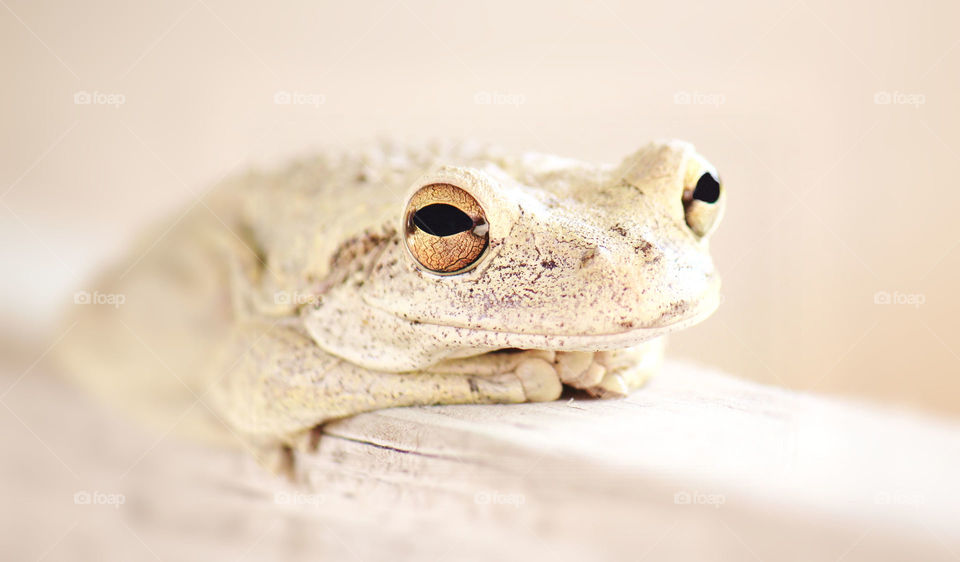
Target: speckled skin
291,298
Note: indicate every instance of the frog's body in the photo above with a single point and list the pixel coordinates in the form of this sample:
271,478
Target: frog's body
280,301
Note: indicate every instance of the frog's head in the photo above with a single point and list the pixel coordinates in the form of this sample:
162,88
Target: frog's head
536,253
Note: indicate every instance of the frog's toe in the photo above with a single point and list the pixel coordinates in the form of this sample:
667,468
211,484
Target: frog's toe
579,369
277,458
539,379
612,385
305,441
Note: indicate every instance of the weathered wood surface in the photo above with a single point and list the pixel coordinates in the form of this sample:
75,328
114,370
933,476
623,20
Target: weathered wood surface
697,466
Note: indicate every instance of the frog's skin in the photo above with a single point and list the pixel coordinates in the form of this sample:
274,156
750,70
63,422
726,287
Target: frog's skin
284,300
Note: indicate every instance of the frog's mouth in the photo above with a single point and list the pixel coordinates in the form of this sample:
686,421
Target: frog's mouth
496,339
411,342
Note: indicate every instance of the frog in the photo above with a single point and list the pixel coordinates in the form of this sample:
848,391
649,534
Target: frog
396,276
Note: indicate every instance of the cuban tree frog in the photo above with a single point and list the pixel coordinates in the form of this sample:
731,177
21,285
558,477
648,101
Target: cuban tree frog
451,274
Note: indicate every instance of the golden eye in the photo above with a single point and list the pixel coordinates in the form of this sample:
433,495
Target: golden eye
446,229
701,203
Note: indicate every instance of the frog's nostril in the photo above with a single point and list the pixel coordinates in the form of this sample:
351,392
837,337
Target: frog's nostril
588,254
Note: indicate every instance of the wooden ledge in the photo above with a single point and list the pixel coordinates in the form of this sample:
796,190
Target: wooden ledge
697,466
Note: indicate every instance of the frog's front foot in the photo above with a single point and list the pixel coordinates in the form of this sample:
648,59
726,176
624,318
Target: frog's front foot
588,371
609,374
538,376
278,455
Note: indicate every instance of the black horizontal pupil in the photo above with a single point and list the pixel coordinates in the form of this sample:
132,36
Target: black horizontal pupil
708,189
442,220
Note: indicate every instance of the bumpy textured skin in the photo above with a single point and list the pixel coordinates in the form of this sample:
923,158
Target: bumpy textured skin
290,298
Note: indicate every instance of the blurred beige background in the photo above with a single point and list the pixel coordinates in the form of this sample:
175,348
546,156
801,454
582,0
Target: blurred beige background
835,127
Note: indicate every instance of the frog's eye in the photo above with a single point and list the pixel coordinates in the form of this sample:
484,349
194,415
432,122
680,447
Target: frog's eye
446,228
701,203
